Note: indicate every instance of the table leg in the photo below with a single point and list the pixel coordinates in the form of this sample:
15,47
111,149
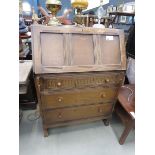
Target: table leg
45,132
126,132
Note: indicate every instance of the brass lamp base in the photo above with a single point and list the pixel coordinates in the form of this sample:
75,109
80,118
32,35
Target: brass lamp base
53,6
79,19
53,22
79,5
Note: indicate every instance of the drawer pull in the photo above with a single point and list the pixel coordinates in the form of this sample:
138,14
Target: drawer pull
103,95
60,99
107,80
60,116
100,110
59,84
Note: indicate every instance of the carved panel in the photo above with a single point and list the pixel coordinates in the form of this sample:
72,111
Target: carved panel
81,81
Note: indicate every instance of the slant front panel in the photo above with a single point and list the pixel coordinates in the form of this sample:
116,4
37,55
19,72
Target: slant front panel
82,50
110,48
62,50
52,49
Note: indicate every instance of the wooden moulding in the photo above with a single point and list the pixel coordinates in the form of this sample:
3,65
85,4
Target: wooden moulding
67,123
81,80
73,122
75,49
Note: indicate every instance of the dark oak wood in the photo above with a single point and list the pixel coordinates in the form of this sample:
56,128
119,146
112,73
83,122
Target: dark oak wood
76,113
80,121
77,49
45,132
78,72
74,97
77,97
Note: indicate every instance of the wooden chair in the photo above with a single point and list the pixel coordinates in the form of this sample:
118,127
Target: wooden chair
25,35
125,109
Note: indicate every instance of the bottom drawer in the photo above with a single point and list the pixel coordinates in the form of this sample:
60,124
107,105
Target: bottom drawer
75,113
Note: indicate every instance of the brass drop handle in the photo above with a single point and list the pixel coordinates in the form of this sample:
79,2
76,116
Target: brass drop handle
103,95
100,110
59,115
59,84
60,99
107,80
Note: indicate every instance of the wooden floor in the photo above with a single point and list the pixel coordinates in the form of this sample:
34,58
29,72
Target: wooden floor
92,138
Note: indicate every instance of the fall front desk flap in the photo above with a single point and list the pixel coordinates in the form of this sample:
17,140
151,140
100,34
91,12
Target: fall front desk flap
60,49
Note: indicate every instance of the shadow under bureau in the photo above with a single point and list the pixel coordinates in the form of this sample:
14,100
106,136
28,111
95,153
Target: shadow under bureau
76,77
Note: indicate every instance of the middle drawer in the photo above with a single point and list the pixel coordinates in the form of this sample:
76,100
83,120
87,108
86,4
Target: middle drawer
77,97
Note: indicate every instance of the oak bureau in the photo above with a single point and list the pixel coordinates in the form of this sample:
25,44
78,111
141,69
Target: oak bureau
78,72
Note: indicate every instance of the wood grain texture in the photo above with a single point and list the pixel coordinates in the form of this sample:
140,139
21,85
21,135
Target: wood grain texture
77,97
78,73
78,49
75,122
75,113
97,50
70,81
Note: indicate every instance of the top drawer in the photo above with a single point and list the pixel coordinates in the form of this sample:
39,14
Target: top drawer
70,81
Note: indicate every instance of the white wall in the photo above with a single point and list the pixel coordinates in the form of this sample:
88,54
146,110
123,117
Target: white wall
95,3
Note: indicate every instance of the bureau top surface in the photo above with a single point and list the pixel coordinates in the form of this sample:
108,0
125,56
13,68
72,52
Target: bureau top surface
75,29
81,74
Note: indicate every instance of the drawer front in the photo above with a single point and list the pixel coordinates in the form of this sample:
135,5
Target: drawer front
81,80
76,113
78,97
